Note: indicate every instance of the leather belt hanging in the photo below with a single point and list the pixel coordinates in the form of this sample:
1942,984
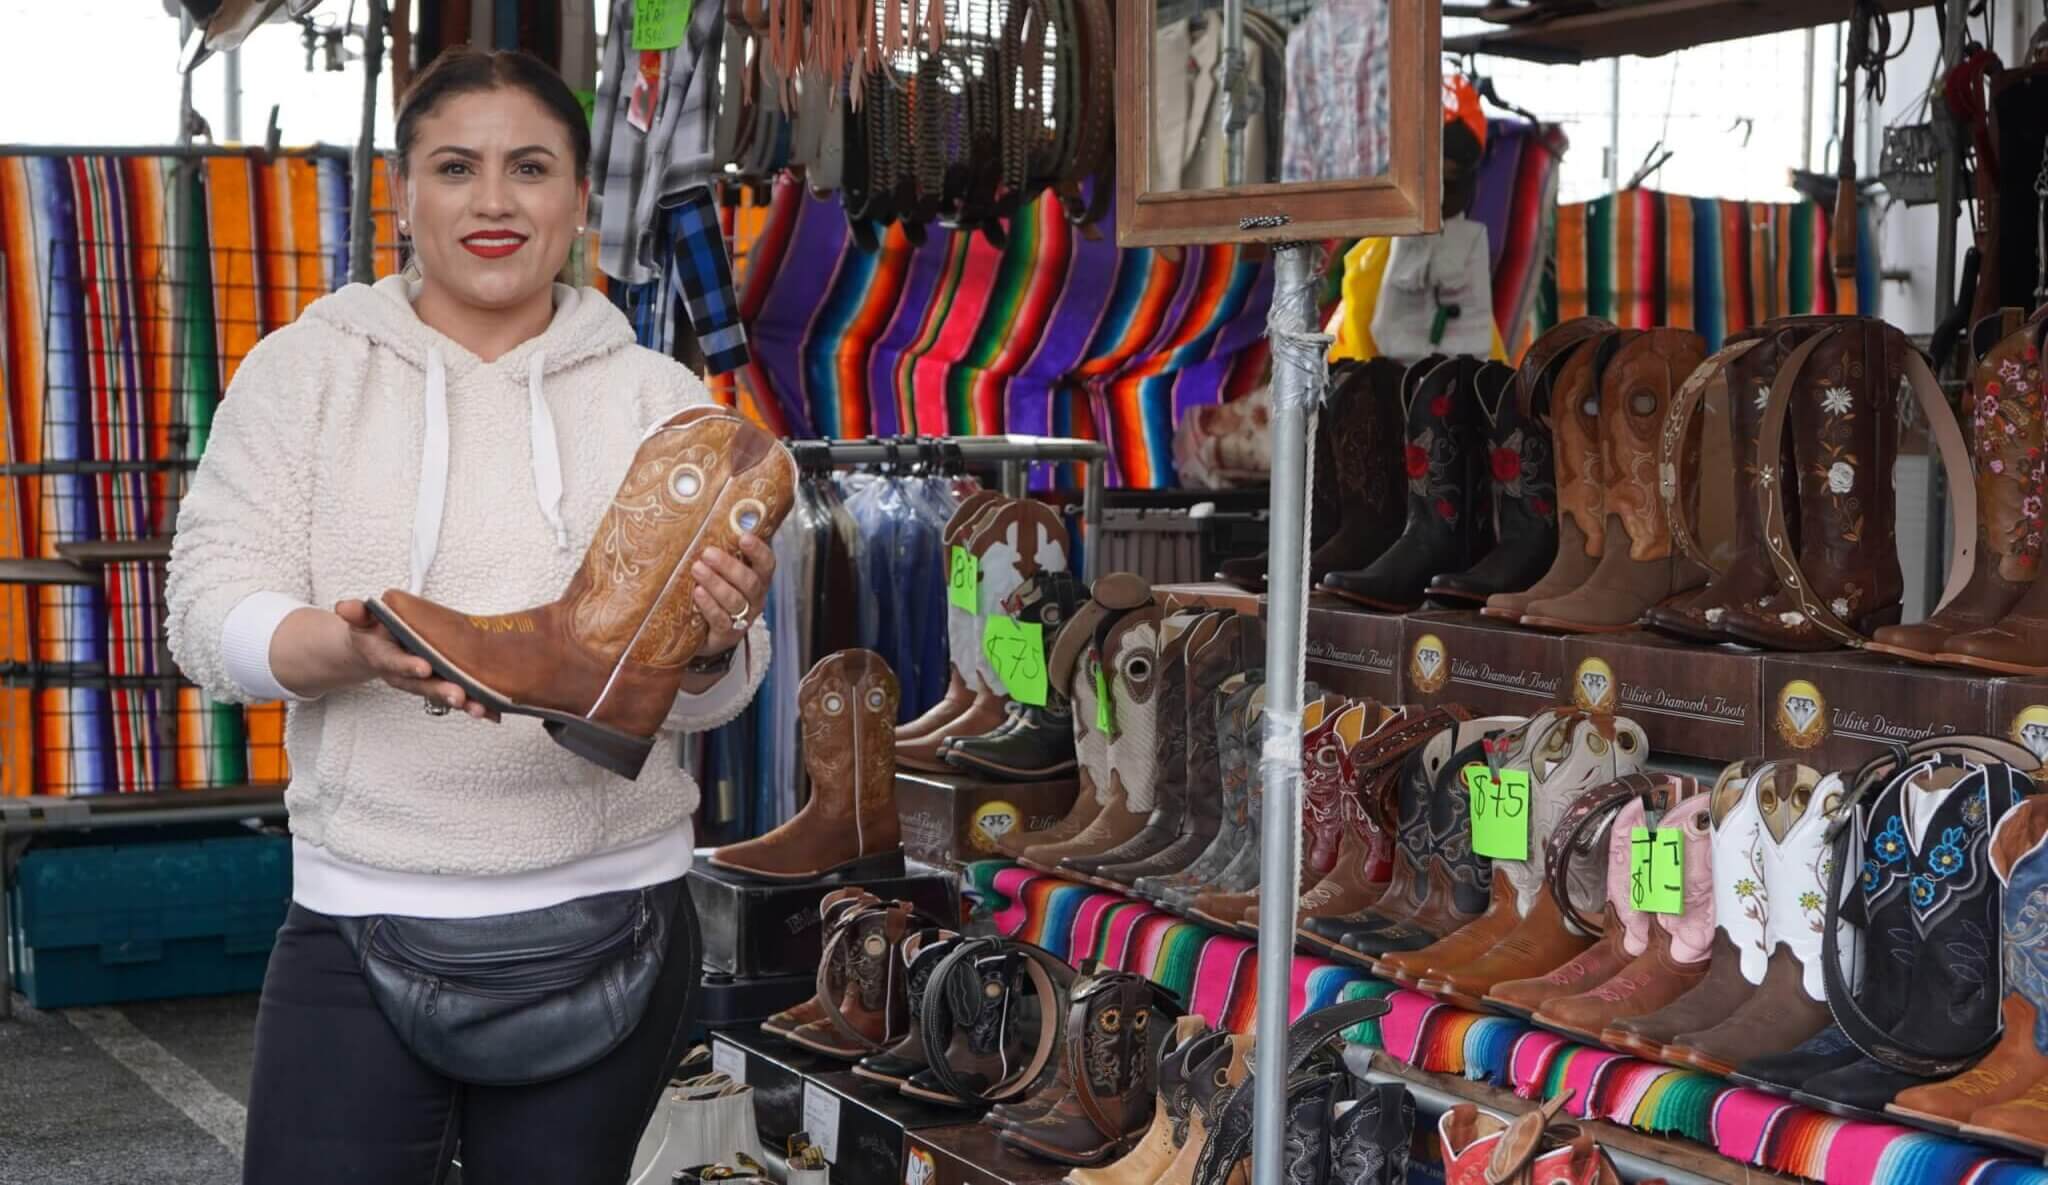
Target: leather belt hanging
947,1000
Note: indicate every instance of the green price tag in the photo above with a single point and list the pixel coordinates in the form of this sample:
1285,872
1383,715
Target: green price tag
963,581
1656,869
589,101
1017,651
1105,715
1500,812
660,24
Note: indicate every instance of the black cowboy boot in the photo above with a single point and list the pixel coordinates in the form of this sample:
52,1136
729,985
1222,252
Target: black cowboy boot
1448,529
1364,414
1035,744
1369,1144
1324,510
982,1043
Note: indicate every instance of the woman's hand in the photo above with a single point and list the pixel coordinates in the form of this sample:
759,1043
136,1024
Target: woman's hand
732,587
380,657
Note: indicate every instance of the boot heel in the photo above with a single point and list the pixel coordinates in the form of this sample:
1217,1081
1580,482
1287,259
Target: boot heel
616,751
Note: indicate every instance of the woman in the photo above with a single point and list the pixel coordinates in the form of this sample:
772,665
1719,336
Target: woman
457,432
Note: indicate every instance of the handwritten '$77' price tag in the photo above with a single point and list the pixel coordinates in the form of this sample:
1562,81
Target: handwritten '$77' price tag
1500,812
1656,869
963,581
1017,651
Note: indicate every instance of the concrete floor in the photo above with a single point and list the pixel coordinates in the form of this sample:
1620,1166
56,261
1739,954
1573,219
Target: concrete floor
140,1094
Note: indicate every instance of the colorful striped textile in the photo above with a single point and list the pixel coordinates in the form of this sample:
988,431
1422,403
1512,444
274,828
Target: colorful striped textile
1213,974
1644,259
1054,333
116,348
1745,1125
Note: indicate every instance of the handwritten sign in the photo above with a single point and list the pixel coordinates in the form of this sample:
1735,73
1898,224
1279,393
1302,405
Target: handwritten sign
1017,651
660,24
1500,812
963,581
821,1119
1656,869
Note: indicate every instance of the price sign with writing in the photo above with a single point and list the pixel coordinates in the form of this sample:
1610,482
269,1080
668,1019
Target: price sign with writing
1017,651
1500,812
1656,869
963,581
660,24
821,1119
1105,714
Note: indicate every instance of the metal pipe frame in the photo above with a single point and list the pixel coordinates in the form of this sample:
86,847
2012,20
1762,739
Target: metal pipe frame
362,266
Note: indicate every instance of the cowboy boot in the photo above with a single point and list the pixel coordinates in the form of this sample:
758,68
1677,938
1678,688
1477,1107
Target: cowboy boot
1237,645
979,1051
1736,964
1581,475
1370,1143
1012,544
1518,446
1330,847
602,665
958,694
1090,755
1566,754
1113,1050
2007,435
1748,576
1129,668
1639,567
1446,530
1481,1150
1844,423
1193,1050
2020,1059
1776,885
1237,715
2010,1086
1408,884
1177,632
1037,744
2012,644
833,907
1364,414
1242,872
1209,1092
849,825
1675,957
868,1015
1325,511
1224,906
896,1065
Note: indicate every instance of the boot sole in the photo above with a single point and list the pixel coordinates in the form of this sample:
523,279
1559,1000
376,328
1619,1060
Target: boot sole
620,752
1926,657
963,763
844,1055
884,866
884,1079
1821,1103
1561,626
1987,664
1451,995
1633,1046
932,1096
1502,615
1947,1127
1060,1155
2005,1140
1370,602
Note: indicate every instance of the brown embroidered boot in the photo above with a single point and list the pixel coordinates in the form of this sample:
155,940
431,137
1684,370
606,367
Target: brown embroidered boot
849,825
1335,835
896,1065
832,908
1113,1047
1581,475
868,1012
1639,566
602,665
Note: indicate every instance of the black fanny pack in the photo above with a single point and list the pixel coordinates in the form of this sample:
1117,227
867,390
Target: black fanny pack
517,998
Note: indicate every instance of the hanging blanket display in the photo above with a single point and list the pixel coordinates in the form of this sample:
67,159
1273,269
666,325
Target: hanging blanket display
1644,259
1054,333
116,354
1748,1126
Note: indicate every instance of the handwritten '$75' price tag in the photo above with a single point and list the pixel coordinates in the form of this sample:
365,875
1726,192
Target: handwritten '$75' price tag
963,581
1656,869
1017,651
1500,812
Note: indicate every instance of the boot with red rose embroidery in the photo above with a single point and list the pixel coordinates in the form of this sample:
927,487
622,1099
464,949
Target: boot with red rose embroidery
1524,480
1448,527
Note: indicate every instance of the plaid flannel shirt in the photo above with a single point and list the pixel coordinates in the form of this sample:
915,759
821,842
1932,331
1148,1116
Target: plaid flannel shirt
636,172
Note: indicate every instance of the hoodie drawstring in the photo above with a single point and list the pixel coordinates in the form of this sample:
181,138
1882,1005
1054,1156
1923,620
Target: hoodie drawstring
433,495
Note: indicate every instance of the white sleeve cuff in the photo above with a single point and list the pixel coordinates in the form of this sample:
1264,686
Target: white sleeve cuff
245,643
723,701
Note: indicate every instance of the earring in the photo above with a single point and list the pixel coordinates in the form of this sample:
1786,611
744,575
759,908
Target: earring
580,228
404,227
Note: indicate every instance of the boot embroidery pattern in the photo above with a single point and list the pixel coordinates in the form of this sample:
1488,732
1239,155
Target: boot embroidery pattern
1429,458
2010,409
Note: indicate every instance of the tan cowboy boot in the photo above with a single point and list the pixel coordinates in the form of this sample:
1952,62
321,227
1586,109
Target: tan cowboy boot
602,665
847,703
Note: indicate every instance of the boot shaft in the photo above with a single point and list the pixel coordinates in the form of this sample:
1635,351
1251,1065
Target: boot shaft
1794,806
1691,930
847,703
1445,456
1365,434
1742,907
2008,437
1580,466
1636,389
1130,670
1573,752
2019,856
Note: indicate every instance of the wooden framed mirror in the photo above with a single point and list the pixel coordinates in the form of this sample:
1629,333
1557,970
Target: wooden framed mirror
1301,155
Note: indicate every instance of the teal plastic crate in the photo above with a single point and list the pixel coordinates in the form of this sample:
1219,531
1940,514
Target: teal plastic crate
103,923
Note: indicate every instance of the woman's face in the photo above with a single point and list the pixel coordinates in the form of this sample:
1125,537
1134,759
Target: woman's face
491,197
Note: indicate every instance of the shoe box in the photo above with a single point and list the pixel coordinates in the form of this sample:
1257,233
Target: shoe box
954,821
2019,712
733,1001
1491,667
970,1154
756,928
1354,651
1691,700
1838,709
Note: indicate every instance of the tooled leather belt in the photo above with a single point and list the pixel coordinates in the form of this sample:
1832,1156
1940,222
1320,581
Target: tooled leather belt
1094,58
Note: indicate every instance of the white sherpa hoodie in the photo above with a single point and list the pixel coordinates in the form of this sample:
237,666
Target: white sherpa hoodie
311,487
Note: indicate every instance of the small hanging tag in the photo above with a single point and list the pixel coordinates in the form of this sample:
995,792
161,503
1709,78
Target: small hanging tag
963,581
1656,869
1105,715
646,92
1500,812
1017,651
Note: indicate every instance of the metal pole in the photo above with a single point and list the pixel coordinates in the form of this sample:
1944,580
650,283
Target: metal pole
1948,201
1091,519
184,137
1806,108
1298,361
1614,126
362,237
1235,115
231,72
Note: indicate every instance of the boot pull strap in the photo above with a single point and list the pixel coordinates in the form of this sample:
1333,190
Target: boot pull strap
1522,1140
1955,461
1579,833
1711,375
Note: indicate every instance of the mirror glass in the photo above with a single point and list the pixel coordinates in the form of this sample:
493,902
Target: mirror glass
1327,121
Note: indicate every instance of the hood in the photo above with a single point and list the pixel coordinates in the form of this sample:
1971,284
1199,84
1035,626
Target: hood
585,326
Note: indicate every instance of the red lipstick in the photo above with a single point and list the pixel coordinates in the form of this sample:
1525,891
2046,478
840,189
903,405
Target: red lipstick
493,244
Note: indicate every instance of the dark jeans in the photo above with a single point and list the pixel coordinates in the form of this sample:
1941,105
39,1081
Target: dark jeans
337,1098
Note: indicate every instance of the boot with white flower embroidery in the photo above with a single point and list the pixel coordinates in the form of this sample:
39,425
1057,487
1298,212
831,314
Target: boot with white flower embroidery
1844,424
